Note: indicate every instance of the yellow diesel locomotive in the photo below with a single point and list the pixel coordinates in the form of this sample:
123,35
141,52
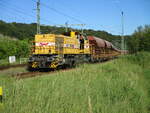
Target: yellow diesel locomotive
51,51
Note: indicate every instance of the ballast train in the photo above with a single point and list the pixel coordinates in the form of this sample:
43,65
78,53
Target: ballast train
51,51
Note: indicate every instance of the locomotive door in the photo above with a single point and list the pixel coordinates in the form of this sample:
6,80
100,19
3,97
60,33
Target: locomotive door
59,45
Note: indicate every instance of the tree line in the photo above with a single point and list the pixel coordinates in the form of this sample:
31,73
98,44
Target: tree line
23,31
139,40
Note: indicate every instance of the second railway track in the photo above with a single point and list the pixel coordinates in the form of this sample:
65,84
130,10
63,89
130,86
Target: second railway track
11,66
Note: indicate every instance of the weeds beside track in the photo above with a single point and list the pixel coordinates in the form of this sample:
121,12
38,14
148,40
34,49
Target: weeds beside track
118,86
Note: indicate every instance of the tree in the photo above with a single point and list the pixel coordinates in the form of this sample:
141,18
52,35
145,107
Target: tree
140,40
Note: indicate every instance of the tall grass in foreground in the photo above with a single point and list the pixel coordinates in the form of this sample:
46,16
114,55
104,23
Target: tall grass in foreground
117,86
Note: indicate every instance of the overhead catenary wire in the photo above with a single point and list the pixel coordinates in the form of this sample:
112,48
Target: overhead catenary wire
11,12
20,11
61,13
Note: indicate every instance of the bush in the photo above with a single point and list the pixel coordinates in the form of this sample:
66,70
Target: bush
13,47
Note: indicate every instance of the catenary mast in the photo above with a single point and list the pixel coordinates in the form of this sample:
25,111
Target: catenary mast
38,17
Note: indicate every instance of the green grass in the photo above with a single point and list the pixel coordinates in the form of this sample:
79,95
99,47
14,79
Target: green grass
118,86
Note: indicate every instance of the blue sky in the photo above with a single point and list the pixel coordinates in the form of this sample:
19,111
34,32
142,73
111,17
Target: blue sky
96,14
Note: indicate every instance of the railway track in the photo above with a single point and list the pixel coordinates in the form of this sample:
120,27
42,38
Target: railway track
26,74
11,66
23,75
